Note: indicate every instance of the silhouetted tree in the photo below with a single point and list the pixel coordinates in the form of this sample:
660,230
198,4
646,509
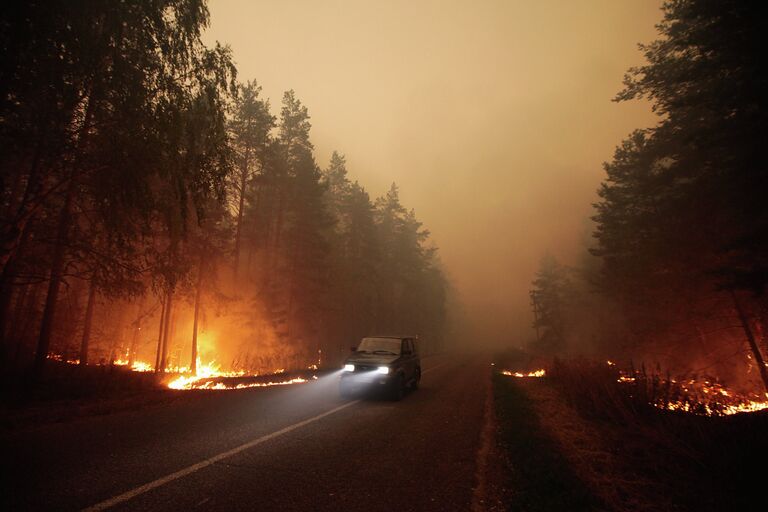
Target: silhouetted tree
550,299
681,216
250,126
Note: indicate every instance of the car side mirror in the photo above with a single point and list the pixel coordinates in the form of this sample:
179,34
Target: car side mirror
353,349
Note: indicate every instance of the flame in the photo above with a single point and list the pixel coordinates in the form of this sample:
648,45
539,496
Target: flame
203,376
141,366
194,383
536,373
138,366
727,410
59,357
203,371
206,372
698,396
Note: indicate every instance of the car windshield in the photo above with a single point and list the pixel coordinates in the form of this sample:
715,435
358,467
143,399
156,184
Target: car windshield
380,345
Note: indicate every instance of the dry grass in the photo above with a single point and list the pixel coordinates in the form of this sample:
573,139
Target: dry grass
669,460
593,452
538,477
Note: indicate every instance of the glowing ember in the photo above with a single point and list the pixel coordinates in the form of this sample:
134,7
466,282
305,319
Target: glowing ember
59,357
537,373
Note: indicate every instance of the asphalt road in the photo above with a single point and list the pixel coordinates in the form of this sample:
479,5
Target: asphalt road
296,447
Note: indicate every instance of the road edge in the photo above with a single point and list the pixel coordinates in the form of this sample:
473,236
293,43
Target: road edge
485,495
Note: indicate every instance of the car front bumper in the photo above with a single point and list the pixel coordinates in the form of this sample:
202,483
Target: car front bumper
359,380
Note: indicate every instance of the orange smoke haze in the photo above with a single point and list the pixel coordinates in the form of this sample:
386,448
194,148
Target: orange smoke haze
493,117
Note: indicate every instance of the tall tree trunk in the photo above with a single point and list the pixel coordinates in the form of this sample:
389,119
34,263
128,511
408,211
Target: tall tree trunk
23,326
136,324
198,296
7,286
160,331
134,344
273,257
10,335
293,254
264,234
57,267
12,240
240,208
750,338
6,297
166,330
88,323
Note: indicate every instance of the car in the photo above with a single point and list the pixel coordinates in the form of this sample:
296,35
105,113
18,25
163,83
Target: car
382,363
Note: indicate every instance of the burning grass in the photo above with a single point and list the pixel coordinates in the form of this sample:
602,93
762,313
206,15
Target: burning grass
210,376
630,392
220,383
522,375
637,388
206,376
702,453
68,390
704,396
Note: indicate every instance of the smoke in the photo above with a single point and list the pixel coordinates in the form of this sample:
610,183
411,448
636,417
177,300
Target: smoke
493,117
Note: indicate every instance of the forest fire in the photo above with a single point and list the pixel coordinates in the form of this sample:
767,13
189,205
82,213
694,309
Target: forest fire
702,396
205,383
136,366
209,375
520,375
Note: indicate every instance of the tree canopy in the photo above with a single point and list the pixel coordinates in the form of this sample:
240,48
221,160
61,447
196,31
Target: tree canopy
138,176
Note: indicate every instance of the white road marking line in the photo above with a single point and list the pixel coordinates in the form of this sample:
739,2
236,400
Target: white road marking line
207,462
216,458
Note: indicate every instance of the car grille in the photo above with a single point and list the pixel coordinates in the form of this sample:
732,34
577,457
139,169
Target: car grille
365,368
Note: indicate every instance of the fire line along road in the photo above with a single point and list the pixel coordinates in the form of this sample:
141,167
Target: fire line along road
283,448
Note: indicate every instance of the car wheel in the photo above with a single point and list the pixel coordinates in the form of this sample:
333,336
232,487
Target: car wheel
416,379
398,391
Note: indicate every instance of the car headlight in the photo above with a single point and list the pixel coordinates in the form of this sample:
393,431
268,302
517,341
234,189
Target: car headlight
349,367
384,370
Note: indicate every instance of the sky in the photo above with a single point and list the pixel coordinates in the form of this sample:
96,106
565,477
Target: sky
492,116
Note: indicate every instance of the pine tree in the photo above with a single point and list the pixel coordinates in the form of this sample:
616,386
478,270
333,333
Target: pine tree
250,127
550,298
